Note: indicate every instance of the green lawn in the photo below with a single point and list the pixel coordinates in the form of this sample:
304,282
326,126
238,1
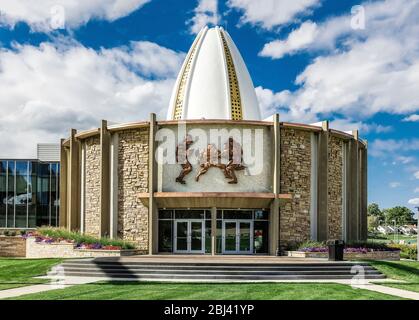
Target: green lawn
387,238
200,291
408,271
20,272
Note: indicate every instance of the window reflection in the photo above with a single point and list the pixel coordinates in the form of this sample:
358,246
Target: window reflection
29,194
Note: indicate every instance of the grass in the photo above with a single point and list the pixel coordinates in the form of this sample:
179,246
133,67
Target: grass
20,272
200,291
59,233
407,271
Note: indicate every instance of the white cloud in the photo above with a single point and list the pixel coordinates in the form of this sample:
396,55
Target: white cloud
41,14
58,86
359,72
272,13
416,174
380,147
412,118
394,184
414,201
404,160
364,128
416,190
297,39
206,13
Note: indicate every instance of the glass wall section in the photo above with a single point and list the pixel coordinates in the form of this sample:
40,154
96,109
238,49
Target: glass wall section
10,218
22,197
3,193
29,194
43,195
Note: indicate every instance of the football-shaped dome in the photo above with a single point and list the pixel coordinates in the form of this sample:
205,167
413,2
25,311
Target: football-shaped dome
214,82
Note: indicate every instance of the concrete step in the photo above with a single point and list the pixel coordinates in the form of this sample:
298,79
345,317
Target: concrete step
236,272
164,276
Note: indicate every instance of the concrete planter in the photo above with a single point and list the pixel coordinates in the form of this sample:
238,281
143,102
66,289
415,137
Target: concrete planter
28,248
14,247
373,255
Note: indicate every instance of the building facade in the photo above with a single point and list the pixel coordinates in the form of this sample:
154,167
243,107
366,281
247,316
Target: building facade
214,178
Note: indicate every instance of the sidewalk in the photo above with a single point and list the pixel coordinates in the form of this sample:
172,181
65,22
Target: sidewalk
37,288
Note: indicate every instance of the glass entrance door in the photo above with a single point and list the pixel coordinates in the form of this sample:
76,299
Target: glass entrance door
237,237
189,236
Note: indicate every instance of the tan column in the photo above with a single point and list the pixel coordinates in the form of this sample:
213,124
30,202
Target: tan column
63,186
213,231
73,216
363,223
274,219
322,189
104,180
353,189
152,185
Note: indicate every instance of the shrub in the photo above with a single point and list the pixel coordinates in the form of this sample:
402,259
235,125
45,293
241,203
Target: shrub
407,251
6,233
59,234
311,244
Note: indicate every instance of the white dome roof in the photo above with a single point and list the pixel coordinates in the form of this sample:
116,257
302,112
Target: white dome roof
214,82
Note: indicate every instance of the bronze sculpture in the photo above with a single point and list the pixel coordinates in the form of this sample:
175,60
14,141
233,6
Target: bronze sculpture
182,154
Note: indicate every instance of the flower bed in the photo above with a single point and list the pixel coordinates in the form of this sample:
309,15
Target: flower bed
352,251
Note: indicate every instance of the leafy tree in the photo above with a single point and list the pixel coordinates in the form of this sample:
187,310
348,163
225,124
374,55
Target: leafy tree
375,211
401,215
373,223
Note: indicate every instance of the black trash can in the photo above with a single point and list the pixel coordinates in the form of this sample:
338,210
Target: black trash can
336,248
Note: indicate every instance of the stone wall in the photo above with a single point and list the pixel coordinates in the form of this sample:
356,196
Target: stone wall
36,250
132,180
335,188
92,187
295,179
12,247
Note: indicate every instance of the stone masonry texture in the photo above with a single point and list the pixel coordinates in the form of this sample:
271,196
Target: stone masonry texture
295,179
92,187
132,180
335,188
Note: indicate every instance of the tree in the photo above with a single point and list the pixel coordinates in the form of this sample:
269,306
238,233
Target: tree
375,211
401,215
373,223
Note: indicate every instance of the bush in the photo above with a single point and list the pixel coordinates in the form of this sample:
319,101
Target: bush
407,251
58,234
311,244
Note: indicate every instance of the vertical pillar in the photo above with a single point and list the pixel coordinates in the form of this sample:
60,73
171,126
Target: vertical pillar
73,218
353,190
363,223
63,186
322,185
213,231
104,180
274,219
152,208
113,158
83,188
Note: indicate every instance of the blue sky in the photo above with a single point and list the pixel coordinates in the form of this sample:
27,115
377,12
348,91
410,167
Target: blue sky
308,61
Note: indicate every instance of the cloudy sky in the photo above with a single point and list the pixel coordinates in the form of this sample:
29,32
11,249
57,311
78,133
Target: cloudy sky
70,63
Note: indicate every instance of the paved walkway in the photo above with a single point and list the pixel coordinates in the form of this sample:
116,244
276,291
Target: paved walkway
71,281
37,288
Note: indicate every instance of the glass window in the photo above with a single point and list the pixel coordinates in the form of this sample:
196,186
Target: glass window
10,194
261,236
238,214
261,215
190,214
3,193
207,236
219,214
165,236
165,214
43,195
22,197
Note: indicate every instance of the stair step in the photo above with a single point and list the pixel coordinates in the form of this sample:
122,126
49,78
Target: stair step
218,276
